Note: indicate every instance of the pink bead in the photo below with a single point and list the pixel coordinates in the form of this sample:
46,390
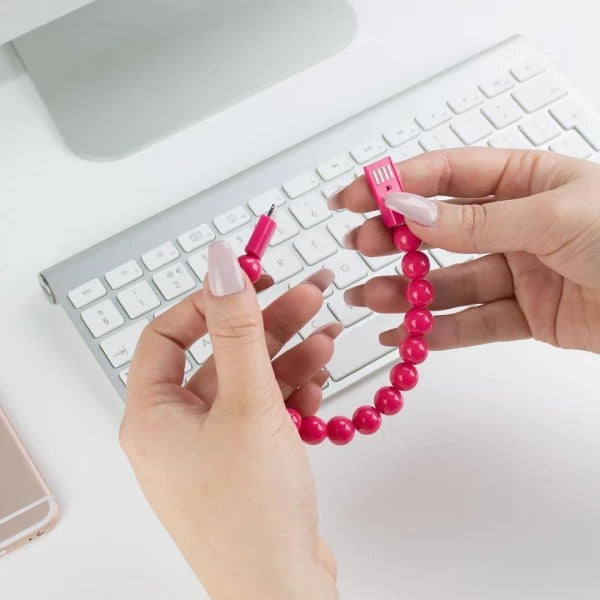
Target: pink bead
415,264
404,239
404,376
388,401
419,293
413,349
366,419
340,430
296,418
313,430
419,321
251,266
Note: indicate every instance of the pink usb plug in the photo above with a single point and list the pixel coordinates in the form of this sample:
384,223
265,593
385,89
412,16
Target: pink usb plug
382,179
257,244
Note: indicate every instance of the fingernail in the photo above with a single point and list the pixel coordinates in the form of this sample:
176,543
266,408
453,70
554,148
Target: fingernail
322,279
350,239
334,202
354,296
419,209
224,273
331,329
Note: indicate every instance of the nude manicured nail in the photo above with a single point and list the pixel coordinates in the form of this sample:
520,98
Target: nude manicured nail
354,296
419,209
322,279
331,329
350,239
334,202
224,273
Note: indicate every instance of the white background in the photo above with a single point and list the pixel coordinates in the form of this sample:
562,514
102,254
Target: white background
487,486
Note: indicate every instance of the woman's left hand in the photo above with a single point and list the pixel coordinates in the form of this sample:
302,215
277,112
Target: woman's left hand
219,458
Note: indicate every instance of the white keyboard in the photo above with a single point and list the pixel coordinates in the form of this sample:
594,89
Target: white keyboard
508,96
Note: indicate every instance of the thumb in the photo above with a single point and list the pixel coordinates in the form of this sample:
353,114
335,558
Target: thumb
234,322
524,224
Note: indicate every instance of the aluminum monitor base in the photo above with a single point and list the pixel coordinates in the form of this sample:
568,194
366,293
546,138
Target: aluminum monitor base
118,75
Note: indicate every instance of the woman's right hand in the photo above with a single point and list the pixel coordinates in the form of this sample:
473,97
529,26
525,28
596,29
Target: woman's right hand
540,231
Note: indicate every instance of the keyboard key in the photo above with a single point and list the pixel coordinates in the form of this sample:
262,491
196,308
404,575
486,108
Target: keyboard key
527,69
329,189
406,151
471,127
173,281
332,168
126,273
194,238
367,151
440,139
188,366
348,268
138,299
378,262
286,228
120,346
540,129
323,317
199,263
342,222
315,246
510,138
87,292
432,118
239,239
124,374
102,318
202,349
572,144
281,264
402,134
232,219
347,359
461,103
502,111
160,256
262,203
589,128
541,91
301,184
311,210
347,315
496,85
567,112
444,258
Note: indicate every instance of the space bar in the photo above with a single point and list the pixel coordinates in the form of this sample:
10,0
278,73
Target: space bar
360,346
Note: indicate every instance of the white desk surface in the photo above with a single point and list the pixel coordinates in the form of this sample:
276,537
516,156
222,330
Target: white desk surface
488,485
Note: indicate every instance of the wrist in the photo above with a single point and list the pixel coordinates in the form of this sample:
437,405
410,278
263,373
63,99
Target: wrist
296,580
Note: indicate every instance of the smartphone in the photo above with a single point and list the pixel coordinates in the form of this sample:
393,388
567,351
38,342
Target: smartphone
27,507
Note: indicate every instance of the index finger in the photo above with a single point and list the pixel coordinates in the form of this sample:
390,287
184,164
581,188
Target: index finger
160,354
463,172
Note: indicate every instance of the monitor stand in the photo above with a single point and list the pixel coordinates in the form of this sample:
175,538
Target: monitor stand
118,75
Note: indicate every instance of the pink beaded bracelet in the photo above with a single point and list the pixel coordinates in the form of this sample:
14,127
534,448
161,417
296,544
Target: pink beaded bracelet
382,178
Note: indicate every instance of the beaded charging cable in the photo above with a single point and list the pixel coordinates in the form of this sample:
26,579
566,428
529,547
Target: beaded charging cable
382,178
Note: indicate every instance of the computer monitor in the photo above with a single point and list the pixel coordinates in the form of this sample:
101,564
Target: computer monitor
118,75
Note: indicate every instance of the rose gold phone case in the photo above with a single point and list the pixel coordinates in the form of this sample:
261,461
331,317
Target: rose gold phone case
27,507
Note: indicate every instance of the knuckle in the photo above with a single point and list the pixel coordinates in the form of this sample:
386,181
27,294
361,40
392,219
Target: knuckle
240,327
488,324
445,172
474,219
